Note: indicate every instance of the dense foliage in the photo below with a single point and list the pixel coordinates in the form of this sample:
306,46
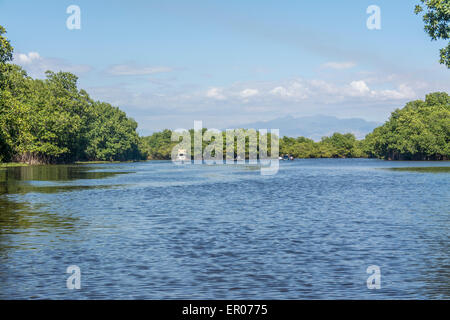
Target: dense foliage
159,146
52,121
337,146
419,131
436,19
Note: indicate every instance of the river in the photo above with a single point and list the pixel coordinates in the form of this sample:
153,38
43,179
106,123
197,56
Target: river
153,230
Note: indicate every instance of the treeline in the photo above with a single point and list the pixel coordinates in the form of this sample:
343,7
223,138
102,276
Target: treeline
52,121
337,146
159,146
419,131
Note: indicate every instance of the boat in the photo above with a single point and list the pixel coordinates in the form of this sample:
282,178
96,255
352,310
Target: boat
181,156
286,157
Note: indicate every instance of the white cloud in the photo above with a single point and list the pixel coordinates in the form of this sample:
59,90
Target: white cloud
215,93
359,88
295,90
23,58
305,91
403,92
247,93
323,88
36,65
225,105
291,96
280,91
338,65
134,70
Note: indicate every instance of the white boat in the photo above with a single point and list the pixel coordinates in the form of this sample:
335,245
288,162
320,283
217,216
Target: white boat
181,156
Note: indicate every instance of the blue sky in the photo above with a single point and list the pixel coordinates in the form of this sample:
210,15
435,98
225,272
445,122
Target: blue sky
168,63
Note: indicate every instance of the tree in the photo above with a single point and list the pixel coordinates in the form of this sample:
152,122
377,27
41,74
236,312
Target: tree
52,121
159,145
6,54
419,131
112,135
6,50
436,20
343,145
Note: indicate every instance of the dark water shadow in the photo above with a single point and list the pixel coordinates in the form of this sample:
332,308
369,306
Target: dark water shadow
21,217
24,188
55,173
20,180
17,217
421,169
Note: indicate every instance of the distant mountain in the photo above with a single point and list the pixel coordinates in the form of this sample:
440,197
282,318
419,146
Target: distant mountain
315,127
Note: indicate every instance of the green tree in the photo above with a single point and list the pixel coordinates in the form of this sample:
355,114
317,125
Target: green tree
6,54
343,146
436,19
419,131
112,135
6,50
52,121
159,146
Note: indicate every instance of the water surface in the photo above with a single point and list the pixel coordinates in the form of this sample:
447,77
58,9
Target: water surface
153,230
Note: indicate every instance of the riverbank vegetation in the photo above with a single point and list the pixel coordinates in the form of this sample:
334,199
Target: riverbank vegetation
419,131
159,146
51,120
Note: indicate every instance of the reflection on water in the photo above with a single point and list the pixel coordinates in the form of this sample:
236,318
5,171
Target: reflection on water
17,187
54,173
21,217
423,169
18,217
154,230
26,179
